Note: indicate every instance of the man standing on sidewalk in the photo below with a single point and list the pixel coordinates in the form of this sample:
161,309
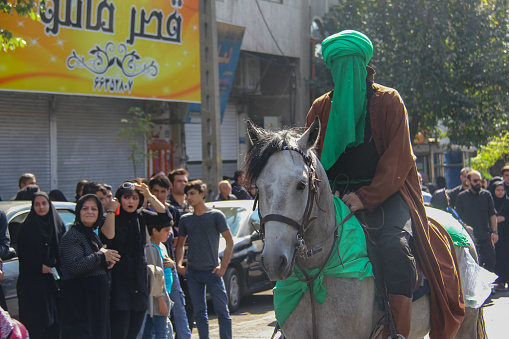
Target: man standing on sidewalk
202,229
453,194
476,208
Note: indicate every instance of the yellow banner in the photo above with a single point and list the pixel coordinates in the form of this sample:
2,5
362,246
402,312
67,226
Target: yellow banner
138,49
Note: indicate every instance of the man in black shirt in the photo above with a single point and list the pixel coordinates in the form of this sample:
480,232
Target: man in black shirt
476,208
505,176
453,194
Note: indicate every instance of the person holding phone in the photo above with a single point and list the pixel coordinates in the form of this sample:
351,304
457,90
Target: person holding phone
38,287
124,230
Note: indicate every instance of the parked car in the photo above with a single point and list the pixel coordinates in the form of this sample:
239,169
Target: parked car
244,275
17,212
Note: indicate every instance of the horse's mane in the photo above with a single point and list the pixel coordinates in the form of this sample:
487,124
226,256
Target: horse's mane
268,143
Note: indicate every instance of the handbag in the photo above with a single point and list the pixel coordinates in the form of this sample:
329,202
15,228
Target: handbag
156,285
155,274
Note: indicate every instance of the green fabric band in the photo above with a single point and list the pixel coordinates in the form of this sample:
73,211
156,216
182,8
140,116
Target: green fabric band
346,54
353,251
459,235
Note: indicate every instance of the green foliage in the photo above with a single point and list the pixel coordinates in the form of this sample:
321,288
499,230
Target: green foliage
496,151
447,58
139,125
26,8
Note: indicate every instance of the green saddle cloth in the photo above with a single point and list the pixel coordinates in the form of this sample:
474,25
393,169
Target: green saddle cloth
353,251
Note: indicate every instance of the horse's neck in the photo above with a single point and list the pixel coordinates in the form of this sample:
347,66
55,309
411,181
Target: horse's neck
321,228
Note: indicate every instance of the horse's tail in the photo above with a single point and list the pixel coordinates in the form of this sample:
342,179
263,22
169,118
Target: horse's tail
481,326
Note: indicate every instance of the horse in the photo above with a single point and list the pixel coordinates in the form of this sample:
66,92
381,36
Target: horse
298,219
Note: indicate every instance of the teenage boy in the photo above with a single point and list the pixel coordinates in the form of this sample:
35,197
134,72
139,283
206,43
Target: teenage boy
156,254
159,186
177,198
202,229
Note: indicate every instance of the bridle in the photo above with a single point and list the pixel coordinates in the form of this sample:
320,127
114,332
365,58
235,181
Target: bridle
302,227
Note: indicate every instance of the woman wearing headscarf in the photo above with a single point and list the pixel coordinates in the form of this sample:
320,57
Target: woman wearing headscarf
502,246
38,240
125,231
85,281
365,148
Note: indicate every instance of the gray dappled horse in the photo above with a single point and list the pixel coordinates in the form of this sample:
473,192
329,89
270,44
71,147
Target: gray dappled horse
283,182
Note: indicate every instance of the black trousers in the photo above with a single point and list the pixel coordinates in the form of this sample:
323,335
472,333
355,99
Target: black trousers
392,230
126,324
486,253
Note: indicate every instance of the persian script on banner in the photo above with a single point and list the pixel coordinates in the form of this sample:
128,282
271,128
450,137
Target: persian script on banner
138,49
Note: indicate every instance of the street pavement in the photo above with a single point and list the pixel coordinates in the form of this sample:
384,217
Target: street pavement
255,317
496,311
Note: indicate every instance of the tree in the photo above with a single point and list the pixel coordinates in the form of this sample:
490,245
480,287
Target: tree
492,157
139,125
26,8
447,58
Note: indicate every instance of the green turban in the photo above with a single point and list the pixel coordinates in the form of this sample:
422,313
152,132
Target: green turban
346,54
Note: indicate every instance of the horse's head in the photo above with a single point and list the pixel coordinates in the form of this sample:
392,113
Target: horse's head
283,165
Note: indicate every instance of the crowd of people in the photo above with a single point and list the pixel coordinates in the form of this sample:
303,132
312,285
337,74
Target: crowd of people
92,280
483,208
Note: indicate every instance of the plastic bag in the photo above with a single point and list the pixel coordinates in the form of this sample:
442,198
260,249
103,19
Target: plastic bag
475,280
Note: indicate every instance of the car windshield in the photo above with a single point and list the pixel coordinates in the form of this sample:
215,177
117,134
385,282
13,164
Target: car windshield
235,217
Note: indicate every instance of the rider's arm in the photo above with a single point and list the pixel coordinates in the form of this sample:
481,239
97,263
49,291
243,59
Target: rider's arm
392,137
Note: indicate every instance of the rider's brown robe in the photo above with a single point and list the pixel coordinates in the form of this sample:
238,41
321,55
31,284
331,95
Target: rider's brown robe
396,172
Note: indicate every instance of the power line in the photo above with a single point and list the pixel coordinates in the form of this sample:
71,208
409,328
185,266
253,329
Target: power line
270,32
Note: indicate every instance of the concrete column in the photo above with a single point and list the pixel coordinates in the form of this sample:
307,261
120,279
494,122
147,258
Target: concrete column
53,176
212,163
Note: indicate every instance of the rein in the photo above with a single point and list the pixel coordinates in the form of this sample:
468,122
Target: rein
302,227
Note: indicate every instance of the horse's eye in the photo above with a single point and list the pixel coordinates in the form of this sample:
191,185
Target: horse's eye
301,186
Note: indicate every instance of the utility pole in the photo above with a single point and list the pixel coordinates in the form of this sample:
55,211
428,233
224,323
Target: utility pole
212,162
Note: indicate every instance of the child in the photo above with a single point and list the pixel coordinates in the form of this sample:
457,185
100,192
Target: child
157,317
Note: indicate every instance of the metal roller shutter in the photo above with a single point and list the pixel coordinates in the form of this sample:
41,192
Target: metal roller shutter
87,130
24,140
230,134
229,143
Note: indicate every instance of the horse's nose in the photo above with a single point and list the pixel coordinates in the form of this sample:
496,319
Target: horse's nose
275,269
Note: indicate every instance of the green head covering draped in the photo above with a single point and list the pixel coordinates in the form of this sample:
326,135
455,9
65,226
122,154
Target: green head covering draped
346,54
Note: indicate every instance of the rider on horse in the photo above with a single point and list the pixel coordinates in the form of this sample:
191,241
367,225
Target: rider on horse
365,147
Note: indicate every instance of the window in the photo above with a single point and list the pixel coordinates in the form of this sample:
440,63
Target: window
235,217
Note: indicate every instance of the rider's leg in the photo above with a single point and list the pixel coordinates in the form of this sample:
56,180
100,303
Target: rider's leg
399,263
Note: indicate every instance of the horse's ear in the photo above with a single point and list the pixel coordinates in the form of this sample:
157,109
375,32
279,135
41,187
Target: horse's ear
310,137
252,133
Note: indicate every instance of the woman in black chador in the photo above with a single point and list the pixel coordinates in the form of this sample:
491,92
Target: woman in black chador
39,263
502,246
127,235
85,282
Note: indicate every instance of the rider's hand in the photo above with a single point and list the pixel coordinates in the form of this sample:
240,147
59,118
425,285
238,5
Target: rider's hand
353,202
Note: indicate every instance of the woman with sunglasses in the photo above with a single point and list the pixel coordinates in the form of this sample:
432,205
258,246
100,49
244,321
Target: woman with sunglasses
125,231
